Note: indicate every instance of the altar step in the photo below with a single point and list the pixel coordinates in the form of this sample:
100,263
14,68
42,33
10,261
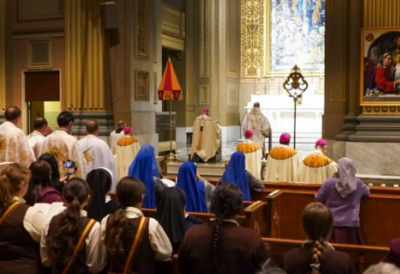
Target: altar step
205,169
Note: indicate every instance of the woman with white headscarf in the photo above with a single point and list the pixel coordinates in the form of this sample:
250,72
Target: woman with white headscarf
342,193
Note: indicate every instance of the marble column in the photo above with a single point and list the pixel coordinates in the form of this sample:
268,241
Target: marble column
378,122
353,55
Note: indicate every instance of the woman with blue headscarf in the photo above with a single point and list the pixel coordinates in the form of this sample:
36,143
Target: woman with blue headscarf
198,191
142,169
237,174
147,148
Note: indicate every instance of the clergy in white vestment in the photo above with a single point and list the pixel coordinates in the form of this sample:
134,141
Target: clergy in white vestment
126,149
37,137
317,167
253,154
64,147
116,134
258,123
283,162
206,138
97,152
14,146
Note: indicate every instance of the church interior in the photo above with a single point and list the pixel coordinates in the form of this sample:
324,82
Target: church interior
105,60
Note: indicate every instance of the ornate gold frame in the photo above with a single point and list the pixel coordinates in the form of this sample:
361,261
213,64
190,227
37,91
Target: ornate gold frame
142,85
141,28
369,38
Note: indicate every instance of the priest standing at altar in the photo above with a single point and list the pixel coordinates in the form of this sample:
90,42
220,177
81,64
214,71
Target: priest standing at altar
258,123
206,138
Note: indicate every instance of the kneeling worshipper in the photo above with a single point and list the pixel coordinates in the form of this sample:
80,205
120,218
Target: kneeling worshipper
142,169
172,216
317,167
237,174
206,139
317,255
342,194
283,162
126,149
198,190
253,154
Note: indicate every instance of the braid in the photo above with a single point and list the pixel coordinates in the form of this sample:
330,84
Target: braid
317,223
317,251
117,225
129,194
66,236
226,202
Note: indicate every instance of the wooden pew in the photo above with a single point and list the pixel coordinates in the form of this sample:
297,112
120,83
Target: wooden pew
252,216
362,255
270,186
378,216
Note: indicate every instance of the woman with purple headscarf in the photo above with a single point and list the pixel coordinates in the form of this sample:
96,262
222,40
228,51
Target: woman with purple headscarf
342,193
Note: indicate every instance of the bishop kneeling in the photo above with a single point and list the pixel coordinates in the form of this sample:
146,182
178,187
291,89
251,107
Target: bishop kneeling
206,145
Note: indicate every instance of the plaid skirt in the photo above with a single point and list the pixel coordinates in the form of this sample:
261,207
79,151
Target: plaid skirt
347,235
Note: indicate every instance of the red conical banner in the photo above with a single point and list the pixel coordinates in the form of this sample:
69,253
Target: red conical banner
169,88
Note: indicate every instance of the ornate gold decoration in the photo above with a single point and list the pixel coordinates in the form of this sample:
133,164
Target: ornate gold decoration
87,155
252,33
293,83
57,154
3,144
376,110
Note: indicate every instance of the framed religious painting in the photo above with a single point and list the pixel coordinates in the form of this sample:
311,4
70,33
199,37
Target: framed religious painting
380,67
297,33
142,85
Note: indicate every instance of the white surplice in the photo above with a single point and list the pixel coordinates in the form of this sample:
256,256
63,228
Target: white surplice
114,137
126,149
253,154
14,146
98,154
36,140
283,164
317,168
65,147
259,124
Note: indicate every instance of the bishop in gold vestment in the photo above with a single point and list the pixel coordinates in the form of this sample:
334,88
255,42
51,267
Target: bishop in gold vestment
206,137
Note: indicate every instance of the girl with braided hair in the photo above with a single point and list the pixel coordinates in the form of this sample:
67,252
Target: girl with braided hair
224,247
317,255
71,242
134,243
